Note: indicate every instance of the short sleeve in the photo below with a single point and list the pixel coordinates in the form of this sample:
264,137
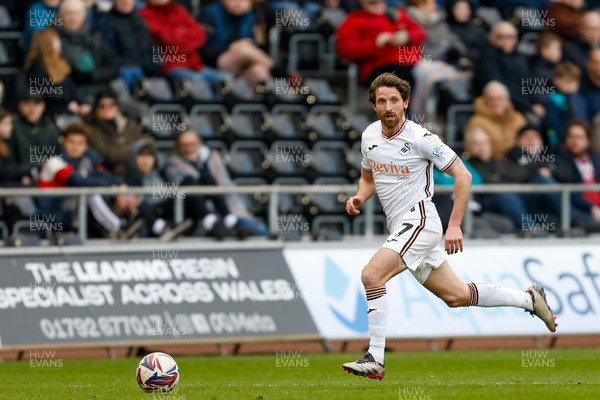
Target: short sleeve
432,148
365,163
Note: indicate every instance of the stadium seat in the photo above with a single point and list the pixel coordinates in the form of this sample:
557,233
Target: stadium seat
355,124
321,89
194,91
286,121
330,227
527,44
165,121
359,225
354,160
239,91
289,157
291,203
329,159
456,119
208,120
321,123
328,203
306,51
155,89
120,88
247,159
247,121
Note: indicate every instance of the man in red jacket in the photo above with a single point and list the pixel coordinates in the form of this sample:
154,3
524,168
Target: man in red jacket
380,39
179,38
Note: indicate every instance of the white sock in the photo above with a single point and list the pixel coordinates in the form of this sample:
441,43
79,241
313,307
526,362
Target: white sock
377,305
209,221
230,220
159,226
484,294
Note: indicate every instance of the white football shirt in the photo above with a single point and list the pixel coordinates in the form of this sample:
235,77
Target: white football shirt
402,166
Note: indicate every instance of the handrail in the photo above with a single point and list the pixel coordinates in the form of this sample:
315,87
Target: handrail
275,190
171,188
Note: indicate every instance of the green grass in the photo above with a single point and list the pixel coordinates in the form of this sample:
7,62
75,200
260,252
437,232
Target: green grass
488,375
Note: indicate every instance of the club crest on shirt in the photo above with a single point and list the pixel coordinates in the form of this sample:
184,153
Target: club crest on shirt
405,149
439,151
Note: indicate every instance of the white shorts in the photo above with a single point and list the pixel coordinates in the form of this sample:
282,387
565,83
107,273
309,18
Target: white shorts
416,238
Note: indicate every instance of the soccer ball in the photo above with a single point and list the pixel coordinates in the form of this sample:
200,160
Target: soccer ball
157,372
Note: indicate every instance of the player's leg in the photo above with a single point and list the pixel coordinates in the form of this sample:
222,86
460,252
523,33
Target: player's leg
445,284
383,266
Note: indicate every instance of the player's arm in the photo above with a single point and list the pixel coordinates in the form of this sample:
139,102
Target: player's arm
366,189
462,186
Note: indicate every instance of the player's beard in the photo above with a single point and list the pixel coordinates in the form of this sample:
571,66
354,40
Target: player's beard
392,122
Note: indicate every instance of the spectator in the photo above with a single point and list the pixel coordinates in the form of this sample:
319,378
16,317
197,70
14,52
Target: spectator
230,44
92,63
35,136
590,86
564,104
179,38
596,136
128,37
502,63
40,15
478,151
156,210
537,160
112,134
11,172
576,163
495,114
544,64
77,165
50,77
441,54
566,15
460,20
191,165
579,49
380,40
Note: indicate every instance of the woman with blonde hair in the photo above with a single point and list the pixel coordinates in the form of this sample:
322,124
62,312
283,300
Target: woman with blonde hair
50,76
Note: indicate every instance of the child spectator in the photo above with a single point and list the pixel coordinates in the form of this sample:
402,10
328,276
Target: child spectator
549,48
155,210
77,165
564,104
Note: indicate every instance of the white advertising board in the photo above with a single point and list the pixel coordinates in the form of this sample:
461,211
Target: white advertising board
329,282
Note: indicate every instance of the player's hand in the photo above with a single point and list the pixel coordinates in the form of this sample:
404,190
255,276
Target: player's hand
352,205
454,240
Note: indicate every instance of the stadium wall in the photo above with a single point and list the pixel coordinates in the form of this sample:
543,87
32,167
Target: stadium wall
192,292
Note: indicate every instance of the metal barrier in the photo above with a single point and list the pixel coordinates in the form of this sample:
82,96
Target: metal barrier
273,192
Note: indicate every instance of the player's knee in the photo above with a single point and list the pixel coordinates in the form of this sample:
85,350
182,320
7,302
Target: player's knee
370,279
453,300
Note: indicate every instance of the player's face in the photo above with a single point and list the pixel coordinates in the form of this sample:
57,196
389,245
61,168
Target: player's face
390,107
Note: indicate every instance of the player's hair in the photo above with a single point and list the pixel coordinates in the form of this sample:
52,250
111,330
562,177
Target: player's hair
77,128
568,69
389,79
581,123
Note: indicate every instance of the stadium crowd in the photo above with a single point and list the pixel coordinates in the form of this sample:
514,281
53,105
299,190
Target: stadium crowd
161,93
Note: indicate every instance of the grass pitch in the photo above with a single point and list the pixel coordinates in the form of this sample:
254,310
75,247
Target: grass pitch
502,375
